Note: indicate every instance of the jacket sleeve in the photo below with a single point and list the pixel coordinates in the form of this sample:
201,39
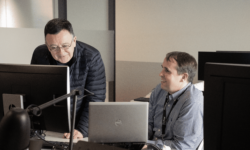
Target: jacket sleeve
96,83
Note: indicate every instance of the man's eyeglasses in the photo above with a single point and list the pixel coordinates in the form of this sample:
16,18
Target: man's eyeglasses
56,49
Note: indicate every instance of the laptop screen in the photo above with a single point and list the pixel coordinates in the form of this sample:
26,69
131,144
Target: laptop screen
113,122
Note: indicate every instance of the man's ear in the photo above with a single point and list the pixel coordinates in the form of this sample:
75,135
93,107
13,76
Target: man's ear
184,77
74,39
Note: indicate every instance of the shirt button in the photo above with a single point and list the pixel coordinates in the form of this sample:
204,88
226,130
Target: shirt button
168,105
159,130
156,138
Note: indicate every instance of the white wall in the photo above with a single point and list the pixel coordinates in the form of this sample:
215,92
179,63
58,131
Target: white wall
26,13
18,44
146,30
88,14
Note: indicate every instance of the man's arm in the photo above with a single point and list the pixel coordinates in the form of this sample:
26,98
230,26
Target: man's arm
151,114
96,83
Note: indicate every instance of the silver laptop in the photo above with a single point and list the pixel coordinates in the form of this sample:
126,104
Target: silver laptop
111,122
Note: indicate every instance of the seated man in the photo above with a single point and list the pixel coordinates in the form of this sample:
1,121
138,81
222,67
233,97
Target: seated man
176,106
85,63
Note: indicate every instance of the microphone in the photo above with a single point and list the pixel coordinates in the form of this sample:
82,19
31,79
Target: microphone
15,128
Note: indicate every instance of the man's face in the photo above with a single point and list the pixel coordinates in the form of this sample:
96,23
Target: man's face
65,41
170,80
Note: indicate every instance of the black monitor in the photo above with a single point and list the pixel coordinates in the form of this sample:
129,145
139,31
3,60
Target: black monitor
226,106
233,51
39,84
221,57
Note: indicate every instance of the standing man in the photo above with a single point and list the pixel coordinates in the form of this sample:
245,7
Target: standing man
176,106
86,67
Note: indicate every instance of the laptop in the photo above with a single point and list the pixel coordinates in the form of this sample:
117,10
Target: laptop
113,122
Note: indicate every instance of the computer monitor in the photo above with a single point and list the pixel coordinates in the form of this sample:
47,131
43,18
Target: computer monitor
39,84
226,106
221,57
233,51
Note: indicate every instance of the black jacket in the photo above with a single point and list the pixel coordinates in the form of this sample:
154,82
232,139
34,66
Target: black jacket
86,71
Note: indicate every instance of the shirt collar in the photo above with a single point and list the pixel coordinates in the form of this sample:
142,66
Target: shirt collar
178,93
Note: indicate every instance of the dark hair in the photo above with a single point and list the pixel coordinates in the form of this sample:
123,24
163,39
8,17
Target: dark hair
186,63
54,26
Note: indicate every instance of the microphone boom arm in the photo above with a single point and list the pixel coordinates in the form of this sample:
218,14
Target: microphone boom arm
36,109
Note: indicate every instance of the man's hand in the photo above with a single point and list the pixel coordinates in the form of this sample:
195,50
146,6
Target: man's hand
77,135
144,147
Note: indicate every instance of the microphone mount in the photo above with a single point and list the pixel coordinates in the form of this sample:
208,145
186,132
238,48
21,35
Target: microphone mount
37,110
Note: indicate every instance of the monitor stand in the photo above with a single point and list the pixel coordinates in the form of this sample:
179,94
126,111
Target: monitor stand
11,101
